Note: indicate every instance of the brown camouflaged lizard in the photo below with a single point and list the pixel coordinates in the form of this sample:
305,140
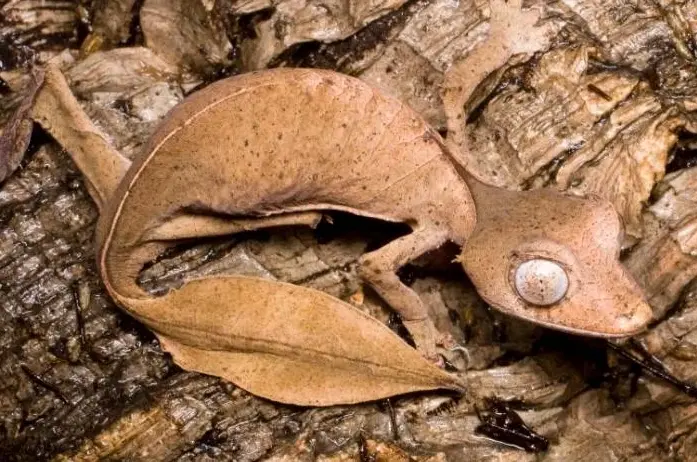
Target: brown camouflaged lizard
282,147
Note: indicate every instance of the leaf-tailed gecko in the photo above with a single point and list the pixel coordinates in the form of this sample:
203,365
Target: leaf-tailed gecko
280,147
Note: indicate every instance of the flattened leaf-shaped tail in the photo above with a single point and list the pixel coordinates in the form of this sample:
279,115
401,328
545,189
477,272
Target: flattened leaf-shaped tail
286,343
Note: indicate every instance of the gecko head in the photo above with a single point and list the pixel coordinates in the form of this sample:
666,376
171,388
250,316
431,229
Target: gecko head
553,259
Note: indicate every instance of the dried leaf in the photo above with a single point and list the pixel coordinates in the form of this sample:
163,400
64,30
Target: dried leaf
290,344
665,261
591,434
15,135
31,29
184,33
298,21
629,165
122,88
412,64
678,201
111,24
119,70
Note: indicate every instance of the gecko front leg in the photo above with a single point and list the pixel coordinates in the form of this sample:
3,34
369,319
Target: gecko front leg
511,31
379,269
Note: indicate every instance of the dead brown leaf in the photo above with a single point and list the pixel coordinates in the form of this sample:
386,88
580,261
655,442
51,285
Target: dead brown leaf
184,33
293,344
298,21
664,262
16,133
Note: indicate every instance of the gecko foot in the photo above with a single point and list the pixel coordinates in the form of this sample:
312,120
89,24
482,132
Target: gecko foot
452,353
434,345
445,340
425,336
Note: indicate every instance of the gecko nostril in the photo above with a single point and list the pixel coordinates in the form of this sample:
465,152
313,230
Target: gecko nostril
541,282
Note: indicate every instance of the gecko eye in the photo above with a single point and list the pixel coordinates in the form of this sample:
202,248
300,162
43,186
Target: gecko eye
541,282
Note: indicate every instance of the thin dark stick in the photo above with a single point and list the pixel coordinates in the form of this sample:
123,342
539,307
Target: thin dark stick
655,367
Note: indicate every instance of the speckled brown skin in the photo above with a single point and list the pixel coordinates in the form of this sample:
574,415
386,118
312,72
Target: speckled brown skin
582,235
325,142
280,147
287,343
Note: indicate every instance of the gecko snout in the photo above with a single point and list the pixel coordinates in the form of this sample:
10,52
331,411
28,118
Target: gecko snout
573,288
554,260
621,301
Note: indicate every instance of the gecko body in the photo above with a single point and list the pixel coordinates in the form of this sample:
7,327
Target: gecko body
283,147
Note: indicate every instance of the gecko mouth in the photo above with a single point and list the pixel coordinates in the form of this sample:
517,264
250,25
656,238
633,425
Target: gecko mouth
599,321
622,332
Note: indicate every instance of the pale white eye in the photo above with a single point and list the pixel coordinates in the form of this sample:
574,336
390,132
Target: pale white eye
541,282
